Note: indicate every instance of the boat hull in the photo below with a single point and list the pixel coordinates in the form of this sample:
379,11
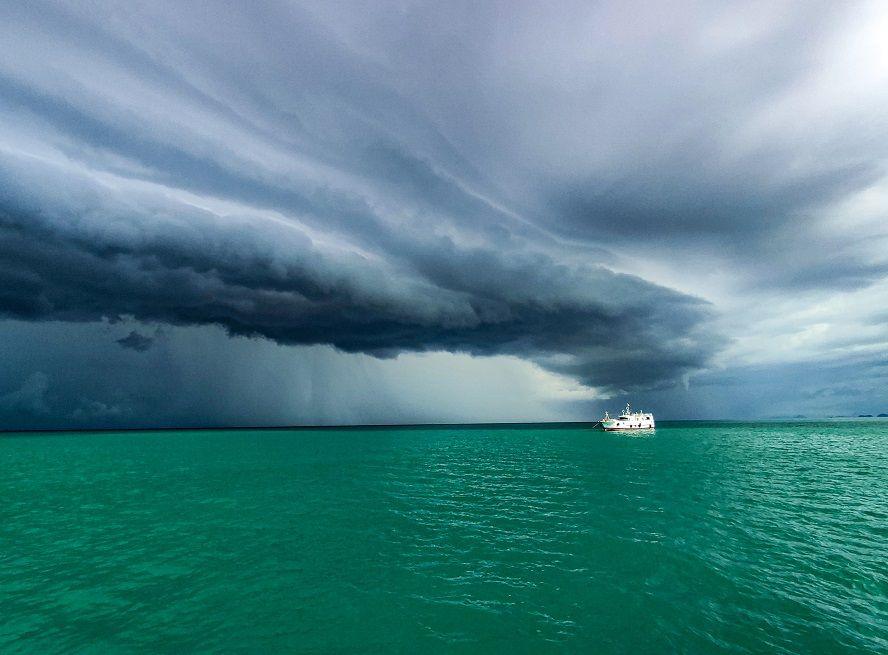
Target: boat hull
627,426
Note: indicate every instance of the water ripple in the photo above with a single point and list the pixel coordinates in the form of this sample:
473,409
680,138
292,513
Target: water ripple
722,538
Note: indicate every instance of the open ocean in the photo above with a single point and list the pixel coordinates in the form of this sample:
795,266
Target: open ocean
697,538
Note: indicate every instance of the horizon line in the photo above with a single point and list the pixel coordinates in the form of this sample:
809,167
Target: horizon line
347,426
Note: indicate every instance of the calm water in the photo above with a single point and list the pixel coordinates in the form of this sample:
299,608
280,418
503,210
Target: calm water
699,538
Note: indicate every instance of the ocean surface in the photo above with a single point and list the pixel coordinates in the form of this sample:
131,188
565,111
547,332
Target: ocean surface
696,538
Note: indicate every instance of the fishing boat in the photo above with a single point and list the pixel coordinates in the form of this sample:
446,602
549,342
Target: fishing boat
628,420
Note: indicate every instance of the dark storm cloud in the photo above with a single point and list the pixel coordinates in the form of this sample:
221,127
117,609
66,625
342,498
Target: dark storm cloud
353,175
176,264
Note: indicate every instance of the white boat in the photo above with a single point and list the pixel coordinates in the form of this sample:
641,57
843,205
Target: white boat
628,420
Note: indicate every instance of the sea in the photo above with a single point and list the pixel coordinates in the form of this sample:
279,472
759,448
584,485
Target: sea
698,537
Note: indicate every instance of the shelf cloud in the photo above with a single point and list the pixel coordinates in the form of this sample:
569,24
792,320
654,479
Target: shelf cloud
80,252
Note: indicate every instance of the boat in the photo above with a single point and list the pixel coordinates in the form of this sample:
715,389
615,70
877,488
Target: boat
628,420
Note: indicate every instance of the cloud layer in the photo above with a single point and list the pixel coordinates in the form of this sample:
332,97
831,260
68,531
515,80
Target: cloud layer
606,191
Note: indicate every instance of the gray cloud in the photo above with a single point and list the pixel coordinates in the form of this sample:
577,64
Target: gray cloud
353,175
701,129
29,399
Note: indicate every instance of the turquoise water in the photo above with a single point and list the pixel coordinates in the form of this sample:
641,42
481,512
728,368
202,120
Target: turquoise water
698,538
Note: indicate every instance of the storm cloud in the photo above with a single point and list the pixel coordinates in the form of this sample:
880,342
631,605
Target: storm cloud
84,253
605,191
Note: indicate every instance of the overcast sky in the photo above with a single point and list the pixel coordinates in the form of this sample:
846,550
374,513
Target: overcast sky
351,212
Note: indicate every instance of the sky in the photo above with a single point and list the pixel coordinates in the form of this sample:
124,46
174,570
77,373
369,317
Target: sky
279,213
